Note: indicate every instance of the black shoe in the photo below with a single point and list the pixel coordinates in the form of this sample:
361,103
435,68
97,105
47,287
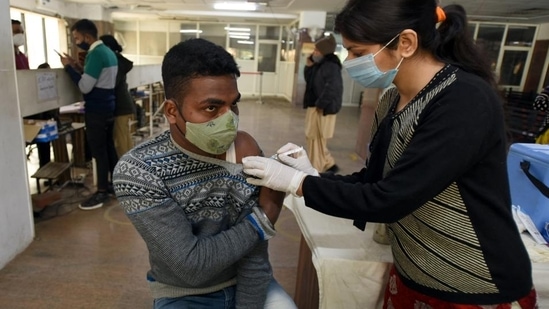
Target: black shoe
95,201
334,169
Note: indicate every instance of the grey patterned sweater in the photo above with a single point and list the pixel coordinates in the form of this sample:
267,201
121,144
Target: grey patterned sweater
190,211
437,174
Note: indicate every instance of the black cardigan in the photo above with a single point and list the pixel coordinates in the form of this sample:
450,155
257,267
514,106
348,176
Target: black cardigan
324,85
438,176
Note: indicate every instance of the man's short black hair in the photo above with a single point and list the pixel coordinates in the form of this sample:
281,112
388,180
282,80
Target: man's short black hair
85,26
191,59
15,22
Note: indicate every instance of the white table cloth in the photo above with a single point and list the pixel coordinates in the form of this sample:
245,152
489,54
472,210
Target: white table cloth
352,269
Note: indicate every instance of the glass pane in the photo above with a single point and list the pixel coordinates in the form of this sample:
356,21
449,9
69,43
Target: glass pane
267,57
269,32
214,33
512,67
241,41
125,33
471,27
520,36
180,32
287,50
53,42
489,39
152,38
16,14
34,34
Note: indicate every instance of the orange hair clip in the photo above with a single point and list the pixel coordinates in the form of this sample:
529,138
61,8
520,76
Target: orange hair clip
441,16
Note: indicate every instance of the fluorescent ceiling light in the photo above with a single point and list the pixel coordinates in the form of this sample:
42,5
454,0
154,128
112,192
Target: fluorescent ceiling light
238,33
238,29
245,42
235,6
190,31
245,37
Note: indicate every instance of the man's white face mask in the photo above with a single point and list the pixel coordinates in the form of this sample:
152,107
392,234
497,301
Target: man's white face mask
19,39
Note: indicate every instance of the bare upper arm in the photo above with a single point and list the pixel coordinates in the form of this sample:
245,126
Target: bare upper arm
245,145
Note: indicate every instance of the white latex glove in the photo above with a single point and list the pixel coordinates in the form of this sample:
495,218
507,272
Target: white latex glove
272,174
299,161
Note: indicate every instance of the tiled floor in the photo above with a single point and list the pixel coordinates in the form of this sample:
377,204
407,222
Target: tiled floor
96,259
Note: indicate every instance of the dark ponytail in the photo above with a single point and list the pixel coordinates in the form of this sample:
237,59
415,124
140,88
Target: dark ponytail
456,46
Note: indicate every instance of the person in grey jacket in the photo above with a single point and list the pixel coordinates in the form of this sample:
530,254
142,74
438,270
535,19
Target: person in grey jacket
323,101
206,229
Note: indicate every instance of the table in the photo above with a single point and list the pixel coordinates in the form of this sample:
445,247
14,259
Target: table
352,269
75,114
59,168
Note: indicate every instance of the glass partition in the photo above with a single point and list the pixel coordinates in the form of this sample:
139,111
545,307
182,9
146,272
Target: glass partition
489,40
520,36
267,57
34,32
178,32
126,35
241,41
269,32
512,67
214,33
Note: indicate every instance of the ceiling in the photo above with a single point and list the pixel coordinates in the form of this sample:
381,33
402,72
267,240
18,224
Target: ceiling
286,11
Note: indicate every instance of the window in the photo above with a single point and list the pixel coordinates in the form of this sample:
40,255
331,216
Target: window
267,57
43,34
520,36
214,33
179,32
126,35
241,41
512,67
489,40
269,32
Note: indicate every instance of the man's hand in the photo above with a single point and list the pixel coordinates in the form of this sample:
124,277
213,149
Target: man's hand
299,160
67,60
272,174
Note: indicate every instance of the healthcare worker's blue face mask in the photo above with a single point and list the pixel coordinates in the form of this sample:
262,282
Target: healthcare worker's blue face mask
365,71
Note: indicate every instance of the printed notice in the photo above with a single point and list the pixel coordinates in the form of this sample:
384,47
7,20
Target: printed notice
47,86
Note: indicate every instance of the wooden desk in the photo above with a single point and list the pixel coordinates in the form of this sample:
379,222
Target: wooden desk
352,269
60,152
75,114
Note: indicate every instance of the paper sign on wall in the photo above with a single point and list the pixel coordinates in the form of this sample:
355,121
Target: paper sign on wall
47,86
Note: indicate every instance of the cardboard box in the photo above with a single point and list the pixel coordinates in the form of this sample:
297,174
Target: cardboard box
524,158
40,131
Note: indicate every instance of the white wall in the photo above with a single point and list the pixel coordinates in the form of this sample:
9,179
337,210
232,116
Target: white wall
16,221
57,7
543,32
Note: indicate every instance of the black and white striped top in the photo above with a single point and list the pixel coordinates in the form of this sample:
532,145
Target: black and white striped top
437,175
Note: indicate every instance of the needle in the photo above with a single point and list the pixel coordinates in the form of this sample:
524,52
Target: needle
287,153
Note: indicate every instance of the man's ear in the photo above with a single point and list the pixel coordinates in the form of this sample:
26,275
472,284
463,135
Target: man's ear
170,111
408,43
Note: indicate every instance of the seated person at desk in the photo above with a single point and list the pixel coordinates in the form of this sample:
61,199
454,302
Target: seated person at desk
44,148
436,173
96,82
185,193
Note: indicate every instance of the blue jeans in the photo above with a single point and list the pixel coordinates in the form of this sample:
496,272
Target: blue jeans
277,298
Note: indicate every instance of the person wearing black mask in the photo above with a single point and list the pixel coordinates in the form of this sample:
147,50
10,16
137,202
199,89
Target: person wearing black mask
322,100
96,82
